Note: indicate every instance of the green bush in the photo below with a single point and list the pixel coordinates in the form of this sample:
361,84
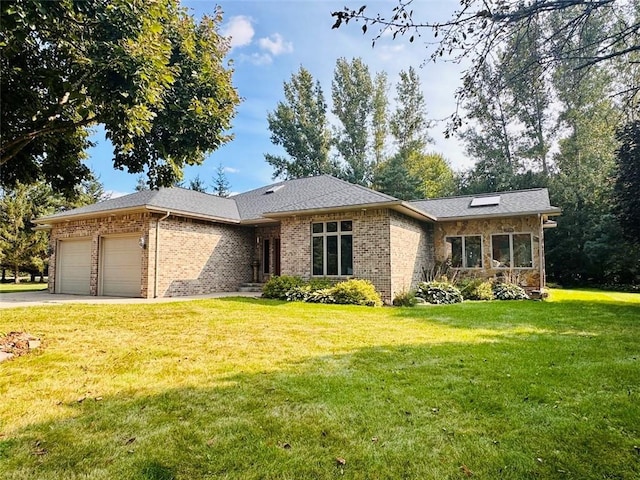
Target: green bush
405,299
439,293
509,291
277,287
356,292
298,294
476,289
320,283
323,295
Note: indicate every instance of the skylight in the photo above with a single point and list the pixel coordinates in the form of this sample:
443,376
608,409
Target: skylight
274,189
485,201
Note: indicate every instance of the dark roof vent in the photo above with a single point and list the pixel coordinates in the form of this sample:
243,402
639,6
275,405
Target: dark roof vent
485,201
274,189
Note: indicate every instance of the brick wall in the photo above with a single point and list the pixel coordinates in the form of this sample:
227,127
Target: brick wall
371,260
200,257
411,252
530,278
93,229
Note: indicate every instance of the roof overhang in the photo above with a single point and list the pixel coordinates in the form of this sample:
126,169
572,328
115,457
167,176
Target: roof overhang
551,212
50,221
397,205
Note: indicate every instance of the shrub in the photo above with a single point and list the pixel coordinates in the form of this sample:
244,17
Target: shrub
298,294
324,295
277,287
356,292
509,291
320,283
405,299
476,289
439,293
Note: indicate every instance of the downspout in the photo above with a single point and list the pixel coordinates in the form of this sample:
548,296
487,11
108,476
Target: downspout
157,248
541,267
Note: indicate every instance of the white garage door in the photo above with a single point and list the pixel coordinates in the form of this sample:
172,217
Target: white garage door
121,266
73,267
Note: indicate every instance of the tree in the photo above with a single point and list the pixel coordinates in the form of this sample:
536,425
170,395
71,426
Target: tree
197,185
221,185
409,123
352,91
380,118
627,180
434,172
299,124
394,178
147,71
474,31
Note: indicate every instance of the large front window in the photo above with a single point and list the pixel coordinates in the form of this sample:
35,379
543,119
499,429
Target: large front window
512,250
332,244
465,251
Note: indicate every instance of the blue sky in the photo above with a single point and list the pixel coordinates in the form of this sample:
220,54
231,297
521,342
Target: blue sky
271,39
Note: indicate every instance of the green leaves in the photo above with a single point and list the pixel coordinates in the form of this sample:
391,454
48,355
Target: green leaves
132,65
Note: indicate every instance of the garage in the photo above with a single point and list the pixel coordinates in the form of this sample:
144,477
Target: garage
73,270
121,266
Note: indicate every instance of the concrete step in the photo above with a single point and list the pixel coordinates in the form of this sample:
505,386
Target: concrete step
251,287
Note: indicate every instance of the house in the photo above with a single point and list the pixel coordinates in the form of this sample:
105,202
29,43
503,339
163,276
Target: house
173,242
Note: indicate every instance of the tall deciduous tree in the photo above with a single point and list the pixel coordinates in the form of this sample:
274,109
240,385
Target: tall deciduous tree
147,71
434,172
409,123
352,94
380,118
477,28
299,124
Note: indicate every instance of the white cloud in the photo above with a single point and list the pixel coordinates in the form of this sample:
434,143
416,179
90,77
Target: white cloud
257,58
275,44
390,52
230,170
239,30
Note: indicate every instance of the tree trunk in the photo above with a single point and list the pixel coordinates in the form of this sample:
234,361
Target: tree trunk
16,274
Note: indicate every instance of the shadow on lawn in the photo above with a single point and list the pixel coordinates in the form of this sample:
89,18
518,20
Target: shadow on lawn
389,412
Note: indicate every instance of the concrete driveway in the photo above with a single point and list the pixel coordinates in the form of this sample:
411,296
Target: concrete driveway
43,297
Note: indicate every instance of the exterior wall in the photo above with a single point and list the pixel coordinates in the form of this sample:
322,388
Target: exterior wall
197,257
270,233
93,229
529,278
371,259
412,252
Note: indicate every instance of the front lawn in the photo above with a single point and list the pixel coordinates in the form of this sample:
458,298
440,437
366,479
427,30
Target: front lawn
258,389
24,286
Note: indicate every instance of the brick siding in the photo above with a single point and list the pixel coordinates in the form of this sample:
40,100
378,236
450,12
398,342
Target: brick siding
93,229
411,252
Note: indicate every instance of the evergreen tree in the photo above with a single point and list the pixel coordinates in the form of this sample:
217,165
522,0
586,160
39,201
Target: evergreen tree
221,185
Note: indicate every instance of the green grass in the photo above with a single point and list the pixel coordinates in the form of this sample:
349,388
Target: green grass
257,389
24,286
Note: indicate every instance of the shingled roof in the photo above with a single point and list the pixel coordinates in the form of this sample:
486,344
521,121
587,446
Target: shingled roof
303,194
176,200
500,204
308,195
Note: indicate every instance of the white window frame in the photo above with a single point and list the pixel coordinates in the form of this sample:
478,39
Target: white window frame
464,251
339,233
511,262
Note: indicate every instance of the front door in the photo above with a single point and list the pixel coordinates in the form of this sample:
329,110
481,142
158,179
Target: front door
276,256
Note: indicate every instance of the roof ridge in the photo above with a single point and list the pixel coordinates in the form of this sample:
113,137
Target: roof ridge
362,187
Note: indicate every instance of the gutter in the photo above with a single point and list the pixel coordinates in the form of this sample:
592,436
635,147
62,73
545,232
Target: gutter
157,250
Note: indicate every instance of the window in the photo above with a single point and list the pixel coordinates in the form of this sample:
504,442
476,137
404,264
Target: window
332,248
512,250
465,251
